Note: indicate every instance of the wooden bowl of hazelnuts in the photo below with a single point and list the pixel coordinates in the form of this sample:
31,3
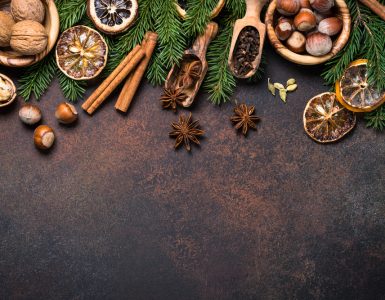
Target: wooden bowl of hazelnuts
28,31
308,32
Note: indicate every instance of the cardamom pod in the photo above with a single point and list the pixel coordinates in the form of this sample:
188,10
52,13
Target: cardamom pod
292,87
279,86
283,95
291,81
271,87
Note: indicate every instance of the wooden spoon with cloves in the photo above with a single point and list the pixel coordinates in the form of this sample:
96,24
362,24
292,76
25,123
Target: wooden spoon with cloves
187,78
247,42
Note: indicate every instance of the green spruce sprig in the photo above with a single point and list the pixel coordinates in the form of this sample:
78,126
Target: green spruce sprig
198,16
376,119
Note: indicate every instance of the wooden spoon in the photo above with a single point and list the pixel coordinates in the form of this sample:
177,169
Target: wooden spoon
252,18
193,63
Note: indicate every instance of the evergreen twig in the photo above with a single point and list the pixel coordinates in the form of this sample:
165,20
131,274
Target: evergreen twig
72,89
376,119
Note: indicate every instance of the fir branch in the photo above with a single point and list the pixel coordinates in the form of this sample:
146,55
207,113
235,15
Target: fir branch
366,41
376,119
37,78
198,16
71,12
72,89
220,83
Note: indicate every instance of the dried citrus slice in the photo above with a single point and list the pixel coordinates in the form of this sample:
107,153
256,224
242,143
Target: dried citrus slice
112,16
354,91
81,53
326,120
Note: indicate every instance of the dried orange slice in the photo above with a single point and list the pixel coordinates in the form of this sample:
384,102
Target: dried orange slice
326,120
354,91
81,53
112,16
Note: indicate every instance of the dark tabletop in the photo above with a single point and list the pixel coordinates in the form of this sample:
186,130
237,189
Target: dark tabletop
113,212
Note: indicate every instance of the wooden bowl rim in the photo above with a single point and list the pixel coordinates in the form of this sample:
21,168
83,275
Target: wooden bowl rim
306,59
28,60
14,90
215,12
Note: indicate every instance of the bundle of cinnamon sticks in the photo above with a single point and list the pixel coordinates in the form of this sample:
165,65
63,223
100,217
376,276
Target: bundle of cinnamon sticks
133,68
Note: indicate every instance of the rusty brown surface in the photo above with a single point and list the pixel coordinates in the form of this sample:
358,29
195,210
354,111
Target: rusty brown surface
113,212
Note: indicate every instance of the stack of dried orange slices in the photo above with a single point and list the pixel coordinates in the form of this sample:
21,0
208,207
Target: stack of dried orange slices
327,120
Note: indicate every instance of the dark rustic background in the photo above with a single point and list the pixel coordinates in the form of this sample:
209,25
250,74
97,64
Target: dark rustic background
113,212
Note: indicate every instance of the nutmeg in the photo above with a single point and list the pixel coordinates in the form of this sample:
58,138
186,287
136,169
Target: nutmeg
318,44
66,113
305,20
6,24
288,7
30,114
44,137
296,42
29,37
330,26
28,10
322,5
284,28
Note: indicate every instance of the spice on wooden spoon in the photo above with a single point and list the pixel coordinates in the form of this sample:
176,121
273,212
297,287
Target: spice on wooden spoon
247,42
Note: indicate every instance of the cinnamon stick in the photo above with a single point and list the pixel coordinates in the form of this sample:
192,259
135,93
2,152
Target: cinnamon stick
87,104
133,81
376,7
132,64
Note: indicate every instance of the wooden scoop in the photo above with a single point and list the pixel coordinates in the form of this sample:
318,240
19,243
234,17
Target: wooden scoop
252,18
189,75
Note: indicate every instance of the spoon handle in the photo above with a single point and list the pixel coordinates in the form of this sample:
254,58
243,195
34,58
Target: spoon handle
203,41
254,8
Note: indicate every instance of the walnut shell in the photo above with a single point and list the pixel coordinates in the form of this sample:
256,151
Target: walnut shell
29,37
28,10
6,24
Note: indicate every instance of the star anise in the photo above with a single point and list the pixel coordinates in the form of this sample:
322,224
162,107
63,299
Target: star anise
186,131
244,118
171,98
190,73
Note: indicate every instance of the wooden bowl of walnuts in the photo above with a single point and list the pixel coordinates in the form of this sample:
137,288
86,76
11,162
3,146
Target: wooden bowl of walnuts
28,31
308,32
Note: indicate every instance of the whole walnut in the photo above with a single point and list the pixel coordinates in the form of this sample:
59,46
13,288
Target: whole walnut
6,24
29,37
28,10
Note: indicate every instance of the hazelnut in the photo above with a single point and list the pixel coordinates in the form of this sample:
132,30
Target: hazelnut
320,16
284,28
29,37
288,7
6,24
296,42
318,44
66,113
30,114
43,137
305,4
322,6
305,20
28,10
330,26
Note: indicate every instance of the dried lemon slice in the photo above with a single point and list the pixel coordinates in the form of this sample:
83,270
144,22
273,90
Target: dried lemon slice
326,120
354,91
112,16
81,53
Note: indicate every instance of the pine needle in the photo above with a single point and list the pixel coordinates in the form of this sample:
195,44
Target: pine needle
376,119
198,16
72,90
66,10
37,78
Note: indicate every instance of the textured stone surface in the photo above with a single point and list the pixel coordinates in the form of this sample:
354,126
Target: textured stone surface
112,212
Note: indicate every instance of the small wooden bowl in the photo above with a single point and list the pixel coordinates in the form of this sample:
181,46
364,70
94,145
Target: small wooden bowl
305,59
6,78
217,9
10,58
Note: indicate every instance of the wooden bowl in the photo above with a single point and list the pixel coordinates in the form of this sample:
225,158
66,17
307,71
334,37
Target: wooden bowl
305,59
9,80
10,58
217,9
